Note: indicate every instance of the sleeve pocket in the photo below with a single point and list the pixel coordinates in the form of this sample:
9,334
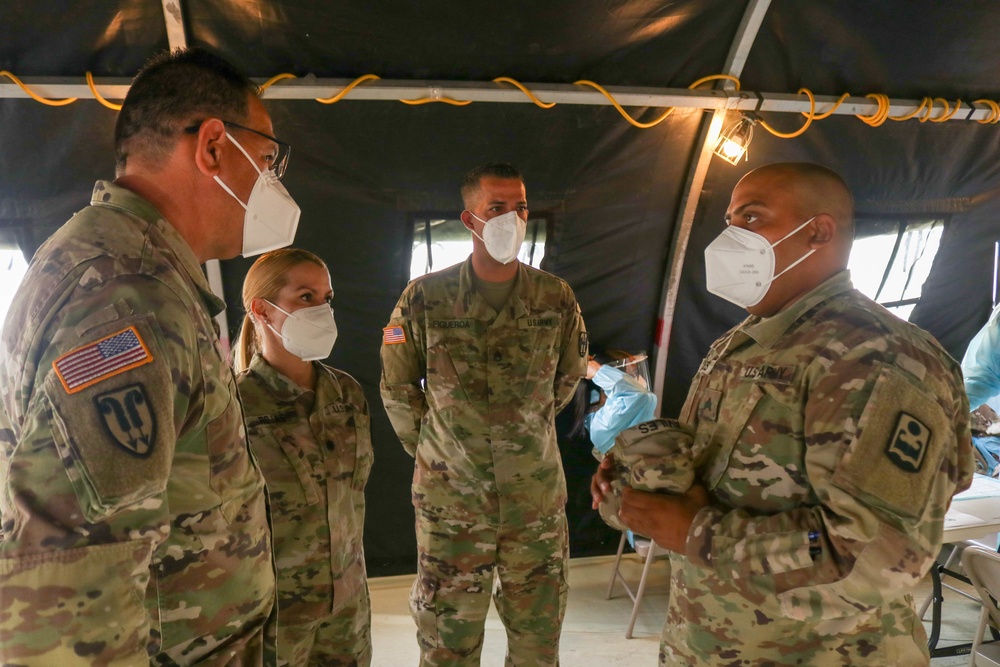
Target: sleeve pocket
896,454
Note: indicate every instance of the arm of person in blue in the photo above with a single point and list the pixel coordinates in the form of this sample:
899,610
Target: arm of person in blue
628,404
981,363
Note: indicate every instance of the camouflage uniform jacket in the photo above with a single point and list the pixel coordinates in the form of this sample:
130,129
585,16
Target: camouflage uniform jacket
315,450
482,428
831,438
133,513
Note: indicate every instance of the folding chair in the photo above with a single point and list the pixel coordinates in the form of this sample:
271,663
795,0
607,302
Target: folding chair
647,550
951,567
982,566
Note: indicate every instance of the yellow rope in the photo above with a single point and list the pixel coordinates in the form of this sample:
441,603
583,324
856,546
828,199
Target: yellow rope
994,112
445,100
809,118
34,96
97,95
946,114
274,79
907,116
538,102
348,88
715,77
880,114
828,112
633,121
924,112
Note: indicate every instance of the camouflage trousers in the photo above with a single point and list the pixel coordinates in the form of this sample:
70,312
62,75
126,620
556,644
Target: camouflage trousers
341,640
652,456
460,564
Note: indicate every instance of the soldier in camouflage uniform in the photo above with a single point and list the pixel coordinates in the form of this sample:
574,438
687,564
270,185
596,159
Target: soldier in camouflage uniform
134,519
829,439
309,428
476,362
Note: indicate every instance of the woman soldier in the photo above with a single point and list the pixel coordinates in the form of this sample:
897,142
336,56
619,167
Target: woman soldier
309,429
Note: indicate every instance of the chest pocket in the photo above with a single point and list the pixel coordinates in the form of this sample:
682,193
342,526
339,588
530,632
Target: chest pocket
454,359
298,459
733,410
347,444
761,457
537,341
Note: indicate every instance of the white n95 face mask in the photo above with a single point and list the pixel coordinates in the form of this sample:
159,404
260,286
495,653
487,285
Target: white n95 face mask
502,235
739,265
271,217
308,333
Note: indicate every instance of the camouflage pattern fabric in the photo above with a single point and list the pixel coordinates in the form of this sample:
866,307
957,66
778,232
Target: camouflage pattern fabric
315,450
487,468
831,438
653,456
126,485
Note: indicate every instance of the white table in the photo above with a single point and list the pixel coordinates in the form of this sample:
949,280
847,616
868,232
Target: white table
973,514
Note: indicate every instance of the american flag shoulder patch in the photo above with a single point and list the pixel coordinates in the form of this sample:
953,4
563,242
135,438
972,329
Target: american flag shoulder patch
393,335
86,366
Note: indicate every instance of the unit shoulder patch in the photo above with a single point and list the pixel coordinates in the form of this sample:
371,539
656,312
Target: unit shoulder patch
908,443
128,419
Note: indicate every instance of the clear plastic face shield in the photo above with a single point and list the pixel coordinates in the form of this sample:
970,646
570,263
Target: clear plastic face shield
636,368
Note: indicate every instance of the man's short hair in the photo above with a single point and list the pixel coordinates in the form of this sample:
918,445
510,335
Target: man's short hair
470,185
172,91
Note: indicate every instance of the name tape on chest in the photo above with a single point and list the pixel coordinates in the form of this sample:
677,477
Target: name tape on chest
103,359
769,373
393,335
450,324
269,420
538,322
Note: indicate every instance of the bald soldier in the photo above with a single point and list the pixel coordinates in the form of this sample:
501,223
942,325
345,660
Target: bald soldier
476,362
829,439
134,525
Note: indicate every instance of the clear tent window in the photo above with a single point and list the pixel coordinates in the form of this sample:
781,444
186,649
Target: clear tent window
891,260
12,269
441,241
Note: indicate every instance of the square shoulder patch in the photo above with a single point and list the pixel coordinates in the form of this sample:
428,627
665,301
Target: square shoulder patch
105,358
902,434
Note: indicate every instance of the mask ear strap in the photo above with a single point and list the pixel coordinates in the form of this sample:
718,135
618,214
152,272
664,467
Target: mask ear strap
243,150
231,194
792,265
794,231
277,306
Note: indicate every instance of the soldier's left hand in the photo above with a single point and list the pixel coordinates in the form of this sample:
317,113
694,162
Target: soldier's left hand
666,518
600,483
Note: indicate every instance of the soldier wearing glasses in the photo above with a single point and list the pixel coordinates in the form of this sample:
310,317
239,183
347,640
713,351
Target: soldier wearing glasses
133,516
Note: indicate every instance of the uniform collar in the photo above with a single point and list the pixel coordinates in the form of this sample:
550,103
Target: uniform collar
471,304
108,194
327,387
766,331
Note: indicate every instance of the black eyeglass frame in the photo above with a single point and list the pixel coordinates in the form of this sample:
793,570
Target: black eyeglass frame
280,164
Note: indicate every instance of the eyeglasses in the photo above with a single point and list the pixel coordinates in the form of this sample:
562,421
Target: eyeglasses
278,162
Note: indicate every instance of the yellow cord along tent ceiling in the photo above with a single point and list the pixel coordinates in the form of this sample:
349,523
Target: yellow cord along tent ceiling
611,108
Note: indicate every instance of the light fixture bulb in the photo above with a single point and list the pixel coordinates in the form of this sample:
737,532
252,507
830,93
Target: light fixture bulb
733,143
